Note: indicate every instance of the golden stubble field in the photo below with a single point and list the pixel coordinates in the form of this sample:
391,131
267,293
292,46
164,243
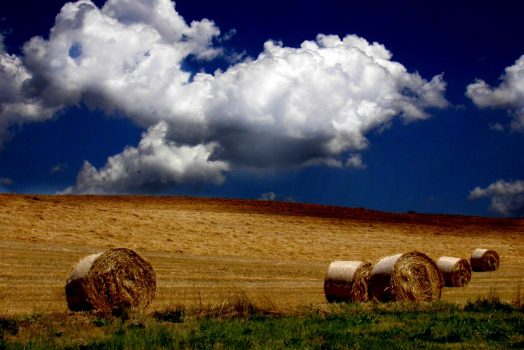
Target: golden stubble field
204,249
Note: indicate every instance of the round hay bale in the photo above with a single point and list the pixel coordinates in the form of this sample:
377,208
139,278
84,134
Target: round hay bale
347,281
412,276
455,271
484,260
113,281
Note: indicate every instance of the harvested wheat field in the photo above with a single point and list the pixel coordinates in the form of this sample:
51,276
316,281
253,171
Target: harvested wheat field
203,249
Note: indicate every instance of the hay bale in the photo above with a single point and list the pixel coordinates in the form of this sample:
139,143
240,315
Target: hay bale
455,271
412,276
113,281
347,281
484,260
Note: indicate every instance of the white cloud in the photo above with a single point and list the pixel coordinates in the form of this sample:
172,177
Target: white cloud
294,105
330,162
509,94
272,196
58,168
156,165
287,108
118,60
16,105
114,58
507,198
228,35
162,16
268,196
496,127
355,162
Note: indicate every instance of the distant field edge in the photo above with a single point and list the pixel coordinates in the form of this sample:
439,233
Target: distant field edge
254,206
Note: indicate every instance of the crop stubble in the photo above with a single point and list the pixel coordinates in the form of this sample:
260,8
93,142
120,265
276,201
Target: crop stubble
202,249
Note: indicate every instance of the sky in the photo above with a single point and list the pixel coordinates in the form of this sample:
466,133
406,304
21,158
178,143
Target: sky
396,105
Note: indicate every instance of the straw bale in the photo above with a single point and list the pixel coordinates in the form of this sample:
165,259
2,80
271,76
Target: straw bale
347,281
113,281
484,260
405,277
455,271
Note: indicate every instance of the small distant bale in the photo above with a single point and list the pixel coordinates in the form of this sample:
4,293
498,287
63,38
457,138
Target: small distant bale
411,276
484,260
347,281
113,281
455,271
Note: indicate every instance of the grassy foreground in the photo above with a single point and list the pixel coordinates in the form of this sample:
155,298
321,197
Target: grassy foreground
240,324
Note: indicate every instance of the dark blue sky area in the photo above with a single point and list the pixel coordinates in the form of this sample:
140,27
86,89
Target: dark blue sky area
426,166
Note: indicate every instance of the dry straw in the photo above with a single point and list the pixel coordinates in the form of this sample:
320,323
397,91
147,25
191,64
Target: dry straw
405,277
347,281
484,260
455,271
113,281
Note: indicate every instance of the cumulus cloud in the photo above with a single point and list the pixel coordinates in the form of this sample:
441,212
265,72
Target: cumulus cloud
156,165
104,58
509,94
295,106
126,56
287,108
16,104
58,168
355,162
268,196
161,15
272,196
228,35
496,127
507,198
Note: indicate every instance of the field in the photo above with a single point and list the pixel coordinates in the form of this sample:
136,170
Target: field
205,249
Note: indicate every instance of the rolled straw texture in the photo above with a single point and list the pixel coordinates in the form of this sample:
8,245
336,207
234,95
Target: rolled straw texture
347,281
484,260
455,271
113,281
405,277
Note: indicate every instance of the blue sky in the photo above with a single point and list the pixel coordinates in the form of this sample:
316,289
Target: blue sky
394,106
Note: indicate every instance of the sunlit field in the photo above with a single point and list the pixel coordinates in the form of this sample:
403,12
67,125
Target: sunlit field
204,249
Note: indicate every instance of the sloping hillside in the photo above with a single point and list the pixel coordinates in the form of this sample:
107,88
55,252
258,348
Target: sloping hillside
204,248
